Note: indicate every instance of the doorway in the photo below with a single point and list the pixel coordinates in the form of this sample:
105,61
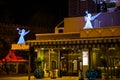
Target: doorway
70,62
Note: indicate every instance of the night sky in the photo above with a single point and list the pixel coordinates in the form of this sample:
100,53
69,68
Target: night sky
36,12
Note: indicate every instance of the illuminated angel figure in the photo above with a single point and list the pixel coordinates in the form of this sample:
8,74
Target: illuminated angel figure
88,18
22,33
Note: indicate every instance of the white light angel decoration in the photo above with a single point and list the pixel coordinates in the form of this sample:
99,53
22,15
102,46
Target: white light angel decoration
88,18
22,33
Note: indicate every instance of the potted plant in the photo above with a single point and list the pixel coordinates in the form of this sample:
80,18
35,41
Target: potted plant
38,73
91,74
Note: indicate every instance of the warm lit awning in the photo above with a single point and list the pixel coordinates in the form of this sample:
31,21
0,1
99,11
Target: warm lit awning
80,43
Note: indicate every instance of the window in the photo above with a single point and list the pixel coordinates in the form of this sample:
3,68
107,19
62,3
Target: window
60,30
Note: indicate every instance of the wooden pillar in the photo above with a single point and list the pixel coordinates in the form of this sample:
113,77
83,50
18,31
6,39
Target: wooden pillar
29,66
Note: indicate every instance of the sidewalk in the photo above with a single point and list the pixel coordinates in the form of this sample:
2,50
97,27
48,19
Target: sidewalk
33,78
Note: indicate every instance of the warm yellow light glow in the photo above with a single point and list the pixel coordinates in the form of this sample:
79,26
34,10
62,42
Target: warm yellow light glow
85,57
20,46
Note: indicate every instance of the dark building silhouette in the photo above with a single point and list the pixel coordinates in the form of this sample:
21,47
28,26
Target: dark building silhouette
78,7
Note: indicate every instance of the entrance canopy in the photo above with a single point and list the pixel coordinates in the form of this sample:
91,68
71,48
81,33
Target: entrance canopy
12,57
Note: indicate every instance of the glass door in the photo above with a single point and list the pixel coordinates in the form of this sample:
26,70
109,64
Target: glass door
70,62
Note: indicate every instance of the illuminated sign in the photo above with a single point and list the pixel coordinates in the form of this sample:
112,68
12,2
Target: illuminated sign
20,47
85,58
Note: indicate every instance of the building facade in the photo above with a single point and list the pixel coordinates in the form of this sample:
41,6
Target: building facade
78,49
